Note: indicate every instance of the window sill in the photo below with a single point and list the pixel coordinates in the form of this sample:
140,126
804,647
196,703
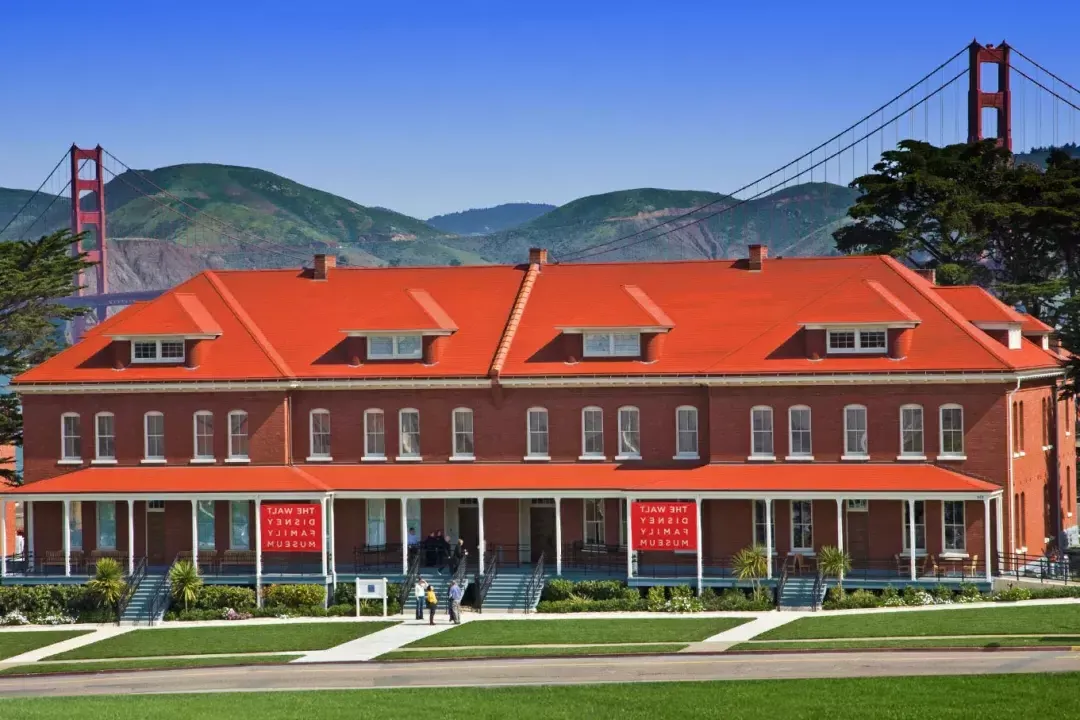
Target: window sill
373,458
70,461
623,458
761,458
804,552
537,458
462,458
409,458
953,458
953,556
103,461
153,461
319,459
857,458
686,456
238,460
911,458
907,555
592,458
203,461
799,458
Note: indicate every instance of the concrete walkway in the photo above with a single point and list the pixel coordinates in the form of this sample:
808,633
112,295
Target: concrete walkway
102,633
377,643
742,633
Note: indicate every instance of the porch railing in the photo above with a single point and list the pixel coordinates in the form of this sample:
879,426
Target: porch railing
409,583
133,582
787,566
535,586
1055,568
485,581
819,588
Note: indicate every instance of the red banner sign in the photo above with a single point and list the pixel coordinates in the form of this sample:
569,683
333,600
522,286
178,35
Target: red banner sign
664,526
291,528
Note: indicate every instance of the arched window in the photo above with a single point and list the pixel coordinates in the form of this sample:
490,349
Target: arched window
912,442
105,437
319,431
204,435
374,434
855,433
154,437
592,432
408,434
686,432
629,433
238,435
70,437
536,428
761,433
952,431
799,445
463,434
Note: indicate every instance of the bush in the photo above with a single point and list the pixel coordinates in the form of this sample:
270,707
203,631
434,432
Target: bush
600,589
1012,594
39,602
655,599
220,597
1054,592
294,597
578,605
839,600
732,599
557,589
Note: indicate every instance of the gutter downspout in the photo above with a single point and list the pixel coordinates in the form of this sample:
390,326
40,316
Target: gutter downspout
1010,540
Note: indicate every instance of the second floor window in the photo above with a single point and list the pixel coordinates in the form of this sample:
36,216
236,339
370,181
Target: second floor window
686,432
409,433
799,431
320,434
105,435
537,433
374,434
855,441
592,432
151,351
204,435
70,438
629,432
611,344
394,347
952,430
238,435
761,431
154,431
911,431
463,433
857,341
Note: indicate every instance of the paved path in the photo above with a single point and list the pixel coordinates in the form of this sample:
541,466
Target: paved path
541,671
742,633
375,644
102,633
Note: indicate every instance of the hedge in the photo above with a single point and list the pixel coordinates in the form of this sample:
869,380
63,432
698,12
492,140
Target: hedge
38,602
565,596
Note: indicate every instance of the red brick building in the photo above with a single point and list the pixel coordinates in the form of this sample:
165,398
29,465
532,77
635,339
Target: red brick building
796,403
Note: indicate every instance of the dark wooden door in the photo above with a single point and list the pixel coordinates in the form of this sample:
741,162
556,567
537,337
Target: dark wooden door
469,531
155,539
542,533
857,541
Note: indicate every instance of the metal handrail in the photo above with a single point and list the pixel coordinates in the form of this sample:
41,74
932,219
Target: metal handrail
818,582
485,581
535,585
159,597
409,582
462,570
787,564
1036,567
133,582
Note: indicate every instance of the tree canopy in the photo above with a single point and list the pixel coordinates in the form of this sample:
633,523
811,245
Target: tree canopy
34,275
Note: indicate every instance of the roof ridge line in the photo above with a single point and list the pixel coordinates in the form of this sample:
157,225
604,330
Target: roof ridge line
528,280
244,319
946,309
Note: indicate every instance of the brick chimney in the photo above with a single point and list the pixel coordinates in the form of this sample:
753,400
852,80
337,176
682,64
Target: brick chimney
323,265
537,256
928,274
758,253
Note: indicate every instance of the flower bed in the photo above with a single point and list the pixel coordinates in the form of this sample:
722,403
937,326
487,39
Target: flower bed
565,596
228,602
50,605
941,595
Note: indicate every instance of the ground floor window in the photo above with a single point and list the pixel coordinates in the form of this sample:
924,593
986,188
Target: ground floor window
376,523
920,526
204,515
106,525
760,525
75,525
239,522
622,522
953,511
802,525
594,521
412,521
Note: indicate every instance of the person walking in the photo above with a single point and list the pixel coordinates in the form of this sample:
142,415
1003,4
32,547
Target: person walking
420,591
457,555
455,603
432,603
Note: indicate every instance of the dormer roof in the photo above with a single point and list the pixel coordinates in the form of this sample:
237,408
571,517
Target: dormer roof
978,306
176,314
619,307
858,302
416,312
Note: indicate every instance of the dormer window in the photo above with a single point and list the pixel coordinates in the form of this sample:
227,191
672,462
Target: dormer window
394,347
612,344
857,341
157,351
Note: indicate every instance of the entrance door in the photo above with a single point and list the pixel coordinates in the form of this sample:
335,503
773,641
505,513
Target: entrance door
469,531
155,534
542,532
857,541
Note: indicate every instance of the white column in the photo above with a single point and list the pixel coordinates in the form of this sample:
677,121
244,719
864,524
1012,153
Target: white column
1000,532
629,539
768,539
840,528
558,536
911,536
67,537
480,546
195,532
131,537
322,509
3,538
404,537
700,563
28,517
986,539
258,542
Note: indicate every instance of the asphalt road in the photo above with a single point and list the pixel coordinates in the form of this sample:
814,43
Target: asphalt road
541,671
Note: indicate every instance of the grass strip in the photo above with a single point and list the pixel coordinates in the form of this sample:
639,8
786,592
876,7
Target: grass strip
1041,620
147,664
16,643
511,652
872,644
599,632
224,640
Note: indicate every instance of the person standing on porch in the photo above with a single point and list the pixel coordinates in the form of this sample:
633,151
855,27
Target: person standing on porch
457,555
432,603
420,591
455,603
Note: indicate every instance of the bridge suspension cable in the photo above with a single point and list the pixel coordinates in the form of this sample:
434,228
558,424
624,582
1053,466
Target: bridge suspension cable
34,195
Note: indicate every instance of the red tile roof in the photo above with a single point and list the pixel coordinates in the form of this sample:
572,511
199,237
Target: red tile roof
505,320
853,480
1034,326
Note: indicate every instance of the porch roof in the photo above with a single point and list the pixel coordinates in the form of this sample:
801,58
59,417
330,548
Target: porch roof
178,479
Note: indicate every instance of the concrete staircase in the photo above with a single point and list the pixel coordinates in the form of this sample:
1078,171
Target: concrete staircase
798,593
138,610
507,593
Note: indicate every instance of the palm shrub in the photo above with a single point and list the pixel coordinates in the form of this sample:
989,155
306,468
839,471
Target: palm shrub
751,563
185,581
834,562
108,584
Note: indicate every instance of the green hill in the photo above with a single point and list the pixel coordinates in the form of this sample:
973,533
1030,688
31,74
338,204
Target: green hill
480,221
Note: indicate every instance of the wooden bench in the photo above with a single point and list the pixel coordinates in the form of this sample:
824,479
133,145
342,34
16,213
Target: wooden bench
237,558
55,558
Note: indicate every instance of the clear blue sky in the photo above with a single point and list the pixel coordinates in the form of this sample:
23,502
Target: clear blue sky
432,107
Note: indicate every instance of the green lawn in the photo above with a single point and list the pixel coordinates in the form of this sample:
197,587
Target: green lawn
224,640
148,664
454,653
542,632
1044,641
1046,619
16,643
982,696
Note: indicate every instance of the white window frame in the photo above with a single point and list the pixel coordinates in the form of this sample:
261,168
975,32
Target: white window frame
754,505
912,454
158,354
455,434
612,349
233,505
769,454
857,505
531,452
320,456
808,454
202,519
232,454
402,454
147,457
919,549
626,451
802,549
962,525
396,353
370,455
952,454
598,522
196,456
860,347
691,434
587,454
100,508
65,457
857,453
99,457
376,520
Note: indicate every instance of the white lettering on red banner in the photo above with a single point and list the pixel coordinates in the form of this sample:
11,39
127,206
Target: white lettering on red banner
291,528
664,526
